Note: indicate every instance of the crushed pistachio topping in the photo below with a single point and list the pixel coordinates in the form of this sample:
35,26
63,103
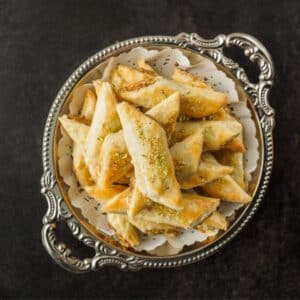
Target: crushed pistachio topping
165,211
156,158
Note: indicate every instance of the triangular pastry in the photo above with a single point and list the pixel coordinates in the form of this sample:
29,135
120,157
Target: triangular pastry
195,209
136,202
143,88
151,227
119,203
147,145
77,131
105,121
89,105
226,189
125,231
208,170
236,144
166,113
216,133
106,194
188,78
97,85
194,101
186,155
235,161
215,221
114,160
123,76
79,167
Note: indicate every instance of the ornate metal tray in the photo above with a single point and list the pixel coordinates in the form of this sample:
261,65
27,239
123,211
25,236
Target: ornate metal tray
106,253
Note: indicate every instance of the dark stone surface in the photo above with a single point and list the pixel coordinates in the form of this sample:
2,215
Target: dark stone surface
41,43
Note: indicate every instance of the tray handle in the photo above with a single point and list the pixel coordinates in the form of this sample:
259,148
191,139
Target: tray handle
255,51
60,252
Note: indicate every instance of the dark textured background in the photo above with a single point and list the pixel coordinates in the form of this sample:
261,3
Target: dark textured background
41,43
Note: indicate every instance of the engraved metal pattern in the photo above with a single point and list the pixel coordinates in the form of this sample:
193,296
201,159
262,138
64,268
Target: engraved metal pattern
105,254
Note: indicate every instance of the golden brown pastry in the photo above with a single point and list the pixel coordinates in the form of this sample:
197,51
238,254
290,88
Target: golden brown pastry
105,121
208,170
97,85
77,131
151,227
136,202
125,231
89,105
166,113
236,144
114,160
216,133
194,101
144,88
106,194
185,77
226,189
215,220
186,155
235,161
79,167
147,145
119,203
123,76
195,209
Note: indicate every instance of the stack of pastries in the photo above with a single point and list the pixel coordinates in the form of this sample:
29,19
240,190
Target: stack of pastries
159,154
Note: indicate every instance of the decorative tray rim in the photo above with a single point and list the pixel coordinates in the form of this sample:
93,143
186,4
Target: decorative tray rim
106,254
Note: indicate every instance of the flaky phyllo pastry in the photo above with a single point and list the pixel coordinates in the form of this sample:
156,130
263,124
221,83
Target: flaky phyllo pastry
159,154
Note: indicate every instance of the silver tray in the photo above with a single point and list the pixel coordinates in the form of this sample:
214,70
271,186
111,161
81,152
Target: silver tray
107,254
